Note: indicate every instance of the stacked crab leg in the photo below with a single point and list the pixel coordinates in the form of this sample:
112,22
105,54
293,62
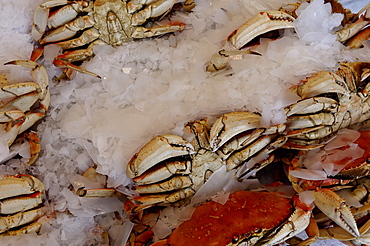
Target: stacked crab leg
22,105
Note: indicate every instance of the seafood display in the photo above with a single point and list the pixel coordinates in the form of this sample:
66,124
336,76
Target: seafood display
266,143
169,169
73,25
354,30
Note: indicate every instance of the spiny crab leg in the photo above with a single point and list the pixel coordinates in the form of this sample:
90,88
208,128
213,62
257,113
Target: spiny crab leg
259,24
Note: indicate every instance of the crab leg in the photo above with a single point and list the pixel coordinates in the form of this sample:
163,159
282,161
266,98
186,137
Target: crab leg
33,227
356,41
163,198
333,206
11,115
156,150
142,32
262,146
18,89
26,94
40,17
19,219
65,60
175,183
39,73
134,5
164,171
154,9
230,125
18,185
86,37
257,25
348,32
297,222
18,204
68,30
100,192
312,105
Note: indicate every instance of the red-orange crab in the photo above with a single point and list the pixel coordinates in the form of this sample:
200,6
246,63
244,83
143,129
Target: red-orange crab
247,218
318,174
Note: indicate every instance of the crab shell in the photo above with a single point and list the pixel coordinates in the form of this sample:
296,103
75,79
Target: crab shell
246,218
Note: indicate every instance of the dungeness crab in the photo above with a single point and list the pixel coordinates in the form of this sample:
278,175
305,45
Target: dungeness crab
22,104
76,26
355,29
329,101
247,218
169,170
341,165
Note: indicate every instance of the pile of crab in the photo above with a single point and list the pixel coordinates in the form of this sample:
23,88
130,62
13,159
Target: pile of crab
321,152
313,152
320,137
23,104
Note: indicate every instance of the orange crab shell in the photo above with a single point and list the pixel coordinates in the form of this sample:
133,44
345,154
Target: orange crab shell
357,168
245,214
360,167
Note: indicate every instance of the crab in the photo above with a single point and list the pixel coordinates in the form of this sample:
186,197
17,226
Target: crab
29,140
355,30
76,26
168,170
21,209
252,218
329,102
317,175
23,104
359,191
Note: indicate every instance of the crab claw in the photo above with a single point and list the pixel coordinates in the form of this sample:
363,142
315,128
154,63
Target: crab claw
259,24
156,150
334,206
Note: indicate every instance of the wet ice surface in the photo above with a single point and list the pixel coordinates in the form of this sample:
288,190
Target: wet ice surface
152,87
